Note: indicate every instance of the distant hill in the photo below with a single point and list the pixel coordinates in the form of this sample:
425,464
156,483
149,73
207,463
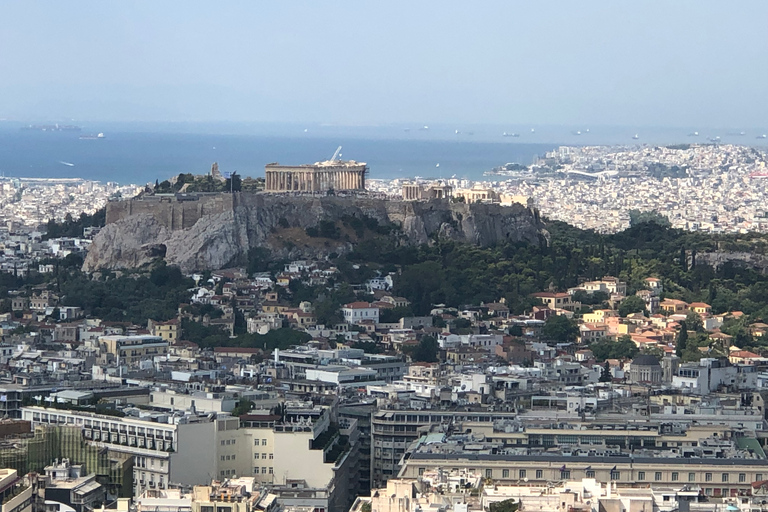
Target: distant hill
206,232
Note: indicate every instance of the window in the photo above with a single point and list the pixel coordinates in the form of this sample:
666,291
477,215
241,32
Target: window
263,442
271,456
758,477
522,473
233,457
264,470
222,457
222,442
270,470
255,472
590,473
565,474
256,442
421,471
640,475
504,473
657,476
707,477
724,477
615,475
742,478
539,473
691,477
675,476
255,455
488,473
263,455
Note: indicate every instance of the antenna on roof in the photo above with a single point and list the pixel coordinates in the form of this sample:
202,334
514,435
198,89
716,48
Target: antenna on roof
336,154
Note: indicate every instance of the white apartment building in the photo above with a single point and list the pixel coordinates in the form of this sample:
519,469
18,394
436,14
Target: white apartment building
193,401
356,312
166,448
190,450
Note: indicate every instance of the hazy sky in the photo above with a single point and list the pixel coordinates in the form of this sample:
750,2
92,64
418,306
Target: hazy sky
661,63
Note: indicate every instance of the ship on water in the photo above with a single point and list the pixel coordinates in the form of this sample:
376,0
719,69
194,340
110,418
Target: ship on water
100,135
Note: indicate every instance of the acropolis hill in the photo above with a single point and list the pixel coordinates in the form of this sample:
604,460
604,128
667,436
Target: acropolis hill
213,231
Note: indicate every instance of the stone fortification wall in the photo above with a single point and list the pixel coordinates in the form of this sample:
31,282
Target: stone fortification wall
217,231
170,211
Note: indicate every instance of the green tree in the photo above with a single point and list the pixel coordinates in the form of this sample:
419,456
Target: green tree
242,407
504,506
560,328
605,375
606,348
426,351
631,304
682,339
694,322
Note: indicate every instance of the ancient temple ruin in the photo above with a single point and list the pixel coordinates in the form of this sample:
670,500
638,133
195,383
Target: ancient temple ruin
334,175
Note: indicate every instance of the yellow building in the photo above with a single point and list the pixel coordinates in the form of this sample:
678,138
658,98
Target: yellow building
132,349
673,306
598,316
701,308
169,331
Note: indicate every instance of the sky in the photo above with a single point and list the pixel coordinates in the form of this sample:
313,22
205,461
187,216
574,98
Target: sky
357,62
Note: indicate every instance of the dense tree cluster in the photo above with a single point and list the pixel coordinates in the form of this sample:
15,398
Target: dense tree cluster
207,183
454,274
622,348
73,228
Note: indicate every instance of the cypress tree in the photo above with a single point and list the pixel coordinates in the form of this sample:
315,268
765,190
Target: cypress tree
682,339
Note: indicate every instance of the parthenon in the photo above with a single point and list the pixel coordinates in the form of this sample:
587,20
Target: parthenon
317,177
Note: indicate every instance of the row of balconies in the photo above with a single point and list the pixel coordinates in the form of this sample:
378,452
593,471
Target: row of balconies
389,444
131,431
138,442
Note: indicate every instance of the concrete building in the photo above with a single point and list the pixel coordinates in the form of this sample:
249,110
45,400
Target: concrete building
716,476
165,448
328,452
66,484
317,177
169,330
198,401
14,497
557,300
646,369
131,350
356,312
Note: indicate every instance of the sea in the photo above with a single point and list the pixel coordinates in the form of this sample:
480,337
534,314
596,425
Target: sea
142,153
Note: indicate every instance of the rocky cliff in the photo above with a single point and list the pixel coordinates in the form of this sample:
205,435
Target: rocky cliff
216,232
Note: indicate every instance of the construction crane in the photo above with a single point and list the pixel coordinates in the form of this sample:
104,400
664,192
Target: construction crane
336,155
